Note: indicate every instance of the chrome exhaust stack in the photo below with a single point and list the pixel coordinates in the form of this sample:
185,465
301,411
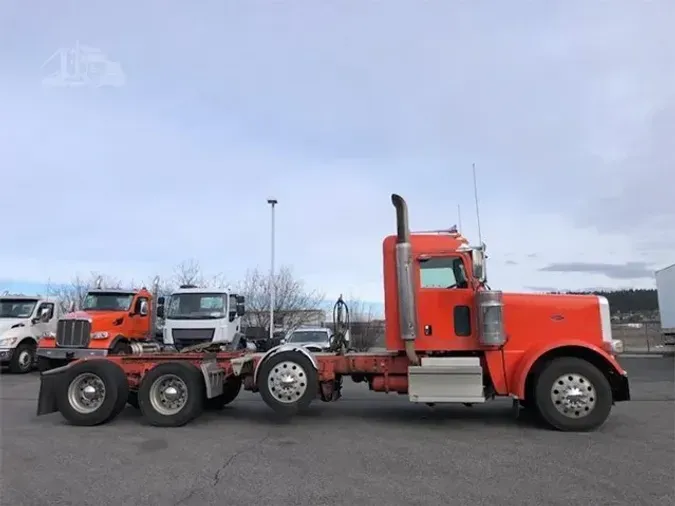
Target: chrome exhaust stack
407,303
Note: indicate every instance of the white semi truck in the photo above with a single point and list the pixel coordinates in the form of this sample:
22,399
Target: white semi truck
665,287
23,320
198,316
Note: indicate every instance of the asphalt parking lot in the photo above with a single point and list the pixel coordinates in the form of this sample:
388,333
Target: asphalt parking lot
366,449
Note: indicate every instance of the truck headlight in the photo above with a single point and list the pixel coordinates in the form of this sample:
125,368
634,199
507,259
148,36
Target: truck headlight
99,335
8,342
48,335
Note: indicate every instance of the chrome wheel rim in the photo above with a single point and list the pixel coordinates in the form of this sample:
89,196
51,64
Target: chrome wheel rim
573,395
25,359
86,393
168,394
287,382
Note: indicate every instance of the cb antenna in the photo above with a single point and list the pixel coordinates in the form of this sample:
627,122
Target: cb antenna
475,195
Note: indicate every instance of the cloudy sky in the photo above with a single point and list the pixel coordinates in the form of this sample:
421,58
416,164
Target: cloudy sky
566,108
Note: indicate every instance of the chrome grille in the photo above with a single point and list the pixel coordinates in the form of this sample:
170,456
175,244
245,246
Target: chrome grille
188,337
73,333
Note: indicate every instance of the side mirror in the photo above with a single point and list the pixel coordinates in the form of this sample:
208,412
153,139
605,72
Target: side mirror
160,301
160,311
478,260
44,315
143,310
240,310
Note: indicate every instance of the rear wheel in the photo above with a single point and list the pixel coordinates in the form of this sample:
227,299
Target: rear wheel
23,358
132,400
288,382
171,394
231,389
572,394
90,393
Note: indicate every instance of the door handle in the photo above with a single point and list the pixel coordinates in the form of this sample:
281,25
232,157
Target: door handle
427,330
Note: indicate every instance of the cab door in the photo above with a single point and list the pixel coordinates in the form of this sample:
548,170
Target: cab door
40,327
445,304
140,326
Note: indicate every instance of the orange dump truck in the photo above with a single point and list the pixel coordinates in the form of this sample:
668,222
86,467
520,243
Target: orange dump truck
449,339
110,322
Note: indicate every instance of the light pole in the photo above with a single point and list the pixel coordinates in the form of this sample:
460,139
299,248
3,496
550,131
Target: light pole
272,202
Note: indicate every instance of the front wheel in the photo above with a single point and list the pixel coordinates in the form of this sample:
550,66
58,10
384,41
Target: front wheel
23,358
571,394
288,382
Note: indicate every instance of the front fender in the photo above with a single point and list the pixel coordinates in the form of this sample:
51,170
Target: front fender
518,379
280,348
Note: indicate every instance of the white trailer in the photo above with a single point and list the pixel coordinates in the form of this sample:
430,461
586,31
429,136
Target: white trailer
665,287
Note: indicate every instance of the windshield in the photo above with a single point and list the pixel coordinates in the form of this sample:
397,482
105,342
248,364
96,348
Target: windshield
196,306
17,308
102,301
308,336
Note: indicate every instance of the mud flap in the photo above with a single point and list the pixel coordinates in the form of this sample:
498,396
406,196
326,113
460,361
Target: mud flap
621,389
49,382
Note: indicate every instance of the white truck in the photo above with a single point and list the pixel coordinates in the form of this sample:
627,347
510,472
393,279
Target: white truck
665,287
194,316
23,319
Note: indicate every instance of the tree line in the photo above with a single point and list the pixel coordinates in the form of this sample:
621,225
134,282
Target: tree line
631,300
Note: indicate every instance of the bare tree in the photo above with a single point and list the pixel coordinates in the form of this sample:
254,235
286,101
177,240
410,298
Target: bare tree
188,272
366,330
294,305
76,291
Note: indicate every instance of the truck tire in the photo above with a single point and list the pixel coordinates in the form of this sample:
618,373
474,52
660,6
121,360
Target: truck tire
120,348
171,394
90,392
23,358
288,382
132,400
571,394
231,389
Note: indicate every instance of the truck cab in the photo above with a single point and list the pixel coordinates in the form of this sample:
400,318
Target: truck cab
23,319
108,322
194,315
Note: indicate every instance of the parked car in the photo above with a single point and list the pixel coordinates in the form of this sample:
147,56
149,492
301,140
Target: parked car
313,338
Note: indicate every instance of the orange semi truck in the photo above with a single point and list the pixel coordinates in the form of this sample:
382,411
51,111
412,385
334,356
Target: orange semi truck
110,322
449,339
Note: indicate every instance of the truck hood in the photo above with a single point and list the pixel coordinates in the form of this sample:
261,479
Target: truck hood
6,324
549,317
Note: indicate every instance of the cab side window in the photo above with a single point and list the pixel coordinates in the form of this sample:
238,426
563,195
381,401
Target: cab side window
443,272
233,307
49,306
137,306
